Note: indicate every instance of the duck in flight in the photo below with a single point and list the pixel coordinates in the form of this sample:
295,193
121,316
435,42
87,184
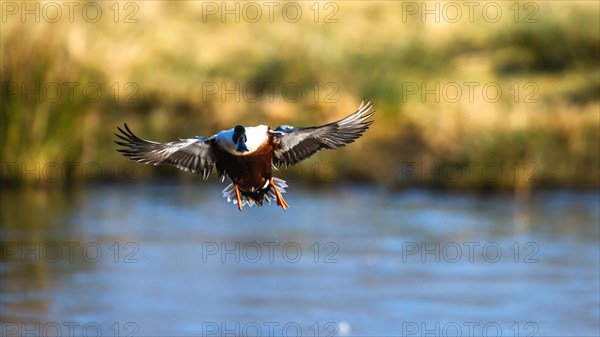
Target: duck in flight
248,154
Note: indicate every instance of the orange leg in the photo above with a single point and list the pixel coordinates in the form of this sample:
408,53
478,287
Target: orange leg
280,201
237,196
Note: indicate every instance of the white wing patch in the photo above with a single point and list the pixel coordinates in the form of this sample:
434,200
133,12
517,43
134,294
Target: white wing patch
167,151
255,137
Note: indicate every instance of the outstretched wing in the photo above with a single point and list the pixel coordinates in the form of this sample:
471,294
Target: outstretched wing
297,144
192,155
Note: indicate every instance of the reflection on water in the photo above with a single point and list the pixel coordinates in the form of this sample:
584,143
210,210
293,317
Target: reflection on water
177,260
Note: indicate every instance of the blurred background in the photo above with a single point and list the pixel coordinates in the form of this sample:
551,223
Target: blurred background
471,204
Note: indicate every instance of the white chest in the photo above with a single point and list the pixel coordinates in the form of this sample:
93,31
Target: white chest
255,137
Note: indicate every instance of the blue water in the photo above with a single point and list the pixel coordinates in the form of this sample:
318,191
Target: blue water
157,260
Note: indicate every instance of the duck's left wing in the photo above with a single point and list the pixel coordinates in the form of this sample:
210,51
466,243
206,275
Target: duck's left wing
297,144
192,155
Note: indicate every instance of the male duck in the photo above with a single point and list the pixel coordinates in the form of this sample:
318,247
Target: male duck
248,154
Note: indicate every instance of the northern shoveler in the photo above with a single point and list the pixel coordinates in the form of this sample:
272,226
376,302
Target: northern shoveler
247,155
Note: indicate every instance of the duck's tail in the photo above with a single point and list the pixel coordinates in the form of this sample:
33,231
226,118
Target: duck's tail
247,198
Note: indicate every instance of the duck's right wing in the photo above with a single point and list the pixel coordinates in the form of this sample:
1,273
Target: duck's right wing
193,155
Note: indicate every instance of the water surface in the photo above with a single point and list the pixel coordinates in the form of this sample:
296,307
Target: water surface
157,260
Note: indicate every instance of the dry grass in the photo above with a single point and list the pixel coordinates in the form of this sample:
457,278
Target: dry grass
170,55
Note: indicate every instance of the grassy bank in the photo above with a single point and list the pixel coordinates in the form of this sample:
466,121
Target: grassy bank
464,104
